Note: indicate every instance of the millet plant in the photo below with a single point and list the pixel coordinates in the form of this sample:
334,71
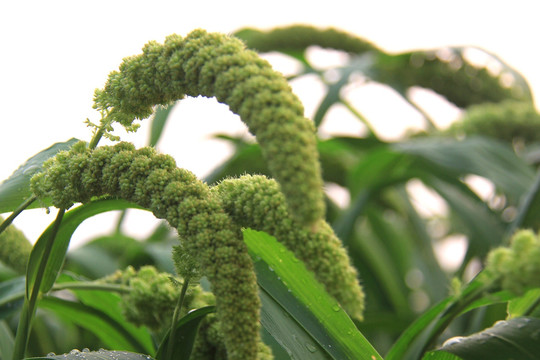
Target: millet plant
262,263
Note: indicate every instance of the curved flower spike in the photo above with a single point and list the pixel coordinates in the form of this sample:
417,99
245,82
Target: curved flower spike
14,248
211,64
256,202
299,37
507,121
153,181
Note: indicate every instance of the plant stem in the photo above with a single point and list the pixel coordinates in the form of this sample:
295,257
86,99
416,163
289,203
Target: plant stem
176,317
360,117
84,285
31,300
16,212
95,139
120,221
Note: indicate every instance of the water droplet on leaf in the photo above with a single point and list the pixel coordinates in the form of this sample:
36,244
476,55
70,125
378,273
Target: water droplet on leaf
311,348
452,341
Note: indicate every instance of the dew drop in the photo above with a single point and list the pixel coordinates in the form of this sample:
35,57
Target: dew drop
270,268
336,308
452,341
74,352
311,348
86,350
51,354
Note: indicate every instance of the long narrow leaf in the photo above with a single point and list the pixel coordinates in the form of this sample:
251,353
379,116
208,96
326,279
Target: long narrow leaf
184,338
16,189
71,221
95,355
110,331
159,119
307,301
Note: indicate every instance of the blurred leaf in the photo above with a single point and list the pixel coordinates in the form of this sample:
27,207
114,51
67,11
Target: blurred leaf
484,229
16,189
159,119
91,261
474,155
527,212
72,219
184,337
518,338
333,93
11,296
110,304
111,332
524,305
440,355
246,159
7,341
288,282
96,355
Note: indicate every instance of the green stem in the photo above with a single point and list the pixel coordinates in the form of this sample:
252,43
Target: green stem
31,300
176,317
454,310
16,212
361,117
83,285
97,136
429,120
120,221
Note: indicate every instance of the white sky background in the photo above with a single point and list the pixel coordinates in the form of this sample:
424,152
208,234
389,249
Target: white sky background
55,53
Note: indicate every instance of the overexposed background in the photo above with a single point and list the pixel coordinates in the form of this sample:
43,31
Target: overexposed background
55,53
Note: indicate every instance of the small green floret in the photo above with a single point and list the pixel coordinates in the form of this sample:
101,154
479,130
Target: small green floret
516,268
14,248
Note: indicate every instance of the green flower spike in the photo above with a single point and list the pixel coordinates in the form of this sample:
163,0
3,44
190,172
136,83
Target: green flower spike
211,64
14,248
516,268
507,121
153,181
299,37
256,202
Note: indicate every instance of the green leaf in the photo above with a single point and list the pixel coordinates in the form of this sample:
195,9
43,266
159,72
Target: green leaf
72,219
440,355
16,189
184,338
109,304
159,119
524,305
517,338
483,227
110,331
96,355
527,215
291,285
7,341
425,330
289,333
475,155
11,296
